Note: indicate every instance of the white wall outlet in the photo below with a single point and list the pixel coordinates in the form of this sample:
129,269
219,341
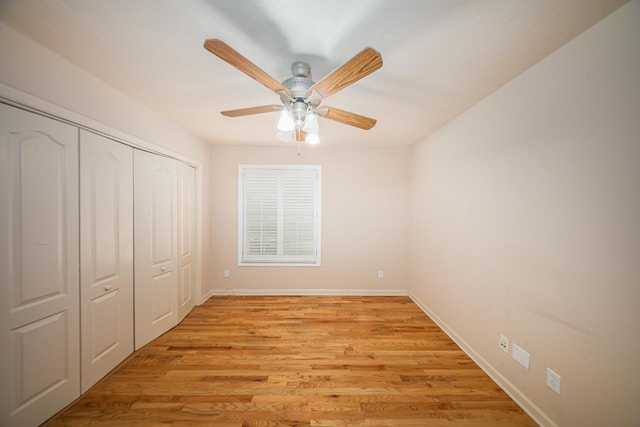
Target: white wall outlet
380,274
521,356
226,273
553,380
504,344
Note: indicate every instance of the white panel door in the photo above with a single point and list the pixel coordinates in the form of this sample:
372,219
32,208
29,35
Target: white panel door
106,255
39,291
186,238
156,246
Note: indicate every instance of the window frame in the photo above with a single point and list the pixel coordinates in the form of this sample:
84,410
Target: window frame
279,260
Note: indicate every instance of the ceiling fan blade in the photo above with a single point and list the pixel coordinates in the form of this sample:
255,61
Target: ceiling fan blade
361,65
233,57
346,117
251,110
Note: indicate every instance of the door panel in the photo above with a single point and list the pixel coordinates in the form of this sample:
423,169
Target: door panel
156,246
39,357
106,260
39,309
186,227
162,215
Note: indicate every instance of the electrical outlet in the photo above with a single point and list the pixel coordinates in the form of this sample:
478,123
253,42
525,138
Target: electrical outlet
226,273
521,356
504,344
553,380
380,274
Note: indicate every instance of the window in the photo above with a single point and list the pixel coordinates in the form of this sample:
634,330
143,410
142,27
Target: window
279,215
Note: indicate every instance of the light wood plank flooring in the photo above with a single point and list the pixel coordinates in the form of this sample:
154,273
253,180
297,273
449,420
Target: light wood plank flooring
299,361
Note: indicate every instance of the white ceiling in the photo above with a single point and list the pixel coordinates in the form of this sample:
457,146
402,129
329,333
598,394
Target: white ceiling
440,56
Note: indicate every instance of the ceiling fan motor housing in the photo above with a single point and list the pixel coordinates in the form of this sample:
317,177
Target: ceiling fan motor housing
301,69
298,85
301,81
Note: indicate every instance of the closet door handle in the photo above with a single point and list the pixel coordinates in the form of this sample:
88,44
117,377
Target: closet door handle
107,288
163,269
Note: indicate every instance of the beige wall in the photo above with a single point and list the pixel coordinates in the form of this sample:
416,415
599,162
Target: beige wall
526,222
36,71
364,219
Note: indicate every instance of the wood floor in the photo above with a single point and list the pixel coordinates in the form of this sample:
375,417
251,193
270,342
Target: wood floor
299,361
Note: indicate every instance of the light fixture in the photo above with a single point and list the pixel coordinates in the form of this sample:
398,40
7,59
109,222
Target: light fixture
311,123
285,121
295,117
312,138
285,136
311,128
299,113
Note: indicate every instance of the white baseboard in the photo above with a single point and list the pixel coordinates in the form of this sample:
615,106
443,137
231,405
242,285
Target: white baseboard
205,297
518,396
301,292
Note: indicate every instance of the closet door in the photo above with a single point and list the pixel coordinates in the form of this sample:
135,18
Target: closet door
186,245
39,290
106,255
156,246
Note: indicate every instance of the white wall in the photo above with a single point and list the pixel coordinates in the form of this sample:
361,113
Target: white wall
33,70
364,220
526,221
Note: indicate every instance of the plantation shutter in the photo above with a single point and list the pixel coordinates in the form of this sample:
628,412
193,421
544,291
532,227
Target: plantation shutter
280,215
261,213
299,210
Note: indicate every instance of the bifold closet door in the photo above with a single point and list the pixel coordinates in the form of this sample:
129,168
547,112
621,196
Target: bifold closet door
156,246
39,290
106,255
186,239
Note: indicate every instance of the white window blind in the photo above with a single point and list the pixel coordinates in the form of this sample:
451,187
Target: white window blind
279,221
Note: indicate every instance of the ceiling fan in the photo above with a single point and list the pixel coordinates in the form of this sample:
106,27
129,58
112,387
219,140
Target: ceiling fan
300,95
